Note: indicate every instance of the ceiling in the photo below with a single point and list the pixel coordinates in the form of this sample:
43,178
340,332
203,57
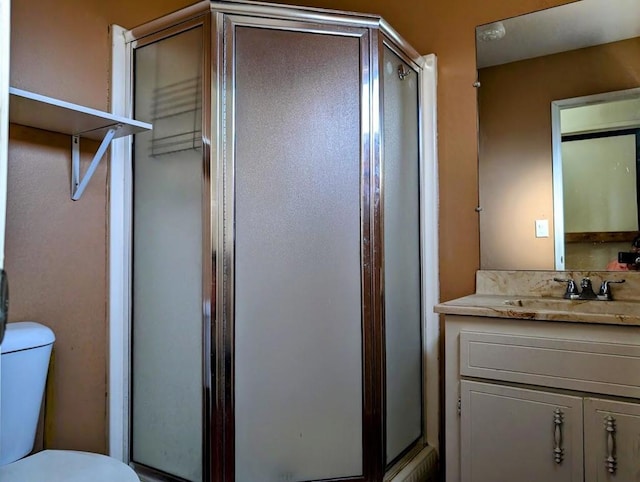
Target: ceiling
568,27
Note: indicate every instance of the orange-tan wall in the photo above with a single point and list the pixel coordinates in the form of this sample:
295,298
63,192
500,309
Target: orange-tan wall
515,143
57,250
447,28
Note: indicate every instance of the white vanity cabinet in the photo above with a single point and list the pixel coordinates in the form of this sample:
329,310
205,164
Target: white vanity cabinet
541,401
515,434
612,440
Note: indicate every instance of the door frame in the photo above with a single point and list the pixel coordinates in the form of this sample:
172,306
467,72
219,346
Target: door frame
556,153
5,40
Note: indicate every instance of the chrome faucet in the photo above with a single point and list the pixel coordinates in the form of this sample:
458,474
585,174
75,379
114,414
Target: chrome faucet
587,290
605,291
572,292
587,293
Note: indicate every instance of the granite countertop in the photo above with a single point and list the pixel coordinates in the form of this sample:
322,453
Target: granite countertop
545,309
498,295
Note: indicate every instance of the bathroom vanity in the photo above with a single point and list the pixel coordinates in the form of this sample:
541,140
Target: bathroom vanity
538,388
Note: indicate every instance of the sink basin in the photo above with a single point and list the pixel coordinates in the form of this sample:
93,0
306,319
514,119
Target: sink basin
578,306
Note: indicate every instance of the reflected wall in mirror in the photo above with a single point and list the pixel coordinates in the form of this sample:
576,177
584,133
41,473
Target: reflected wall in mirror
580,49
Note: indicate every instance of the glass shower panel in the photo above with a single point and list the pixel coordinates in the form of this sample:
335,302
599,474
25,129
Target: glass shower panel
401,215
298,316
167,312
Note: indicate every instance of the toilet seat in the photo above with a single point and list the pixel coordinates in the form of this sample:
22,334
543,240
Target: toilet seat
67,466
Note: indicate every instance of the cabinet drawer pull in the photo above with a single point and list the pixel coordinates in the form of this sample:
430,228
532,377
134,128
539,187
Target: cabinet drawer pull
610,427
558,451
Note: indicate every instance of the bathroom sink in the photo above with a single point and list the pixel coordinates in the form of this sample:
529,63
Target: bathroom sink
577,306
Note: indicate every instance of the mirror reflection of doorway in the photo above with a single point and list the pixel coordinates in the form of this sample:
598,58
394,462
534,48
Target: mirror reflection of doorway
596,164
600,188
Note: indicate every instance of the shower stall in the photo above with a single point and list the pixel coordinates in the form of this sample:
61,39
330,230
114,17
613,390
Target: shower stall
276,307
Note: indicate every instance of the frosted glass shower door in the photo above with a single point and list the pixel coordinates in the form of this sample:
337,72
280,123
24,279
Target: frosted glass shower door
167,314
298,303
401,219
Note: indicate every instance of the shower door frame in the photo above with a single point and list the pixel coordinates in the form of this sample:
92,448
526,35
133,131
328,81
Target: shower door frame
218,398
209,247
370,253
386,41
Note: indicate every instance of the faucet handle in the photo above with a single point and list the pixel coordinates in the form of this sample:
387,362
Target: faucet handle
572,292
605,291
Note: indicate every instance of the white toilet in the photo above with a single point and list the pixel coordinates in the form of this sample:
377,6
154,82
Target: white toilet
25,360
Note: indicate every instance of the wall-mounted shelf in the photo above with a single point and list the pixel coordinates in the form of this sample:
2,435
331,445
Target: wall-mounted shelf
41,112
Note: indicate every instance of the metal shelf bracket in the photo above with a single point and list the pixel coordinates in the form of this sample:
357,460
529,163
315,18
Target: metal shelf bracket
79,185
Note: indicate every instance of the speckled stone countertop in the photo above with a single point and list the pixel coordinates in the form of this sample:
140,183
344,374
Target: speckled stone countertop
534,295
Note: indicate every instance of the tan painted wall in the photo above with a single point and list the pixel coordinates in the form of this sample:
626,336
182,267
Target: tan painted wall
515,143
56,250
56,253
447,28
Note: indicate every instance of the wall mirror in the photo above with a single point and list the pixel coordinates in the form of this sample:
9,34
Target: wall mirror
561,83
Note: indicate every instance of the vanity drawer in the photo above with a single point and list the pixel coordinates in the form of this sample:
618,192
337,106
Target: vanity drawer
598,367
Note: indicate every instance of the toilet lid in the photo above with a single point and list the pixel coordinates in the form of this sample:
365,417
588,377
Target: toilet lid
67,466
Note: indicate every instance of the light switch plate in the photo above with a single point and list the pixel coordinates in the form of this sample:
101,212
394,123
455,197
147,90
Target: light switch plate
542,228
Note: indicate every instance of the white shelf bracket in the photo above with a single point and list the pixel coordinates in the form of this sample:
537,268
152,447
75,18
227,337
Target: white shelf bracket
55,115
79,185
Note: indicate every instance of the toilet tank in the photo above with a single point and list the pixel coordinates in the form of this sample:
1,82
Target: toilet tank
25,352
